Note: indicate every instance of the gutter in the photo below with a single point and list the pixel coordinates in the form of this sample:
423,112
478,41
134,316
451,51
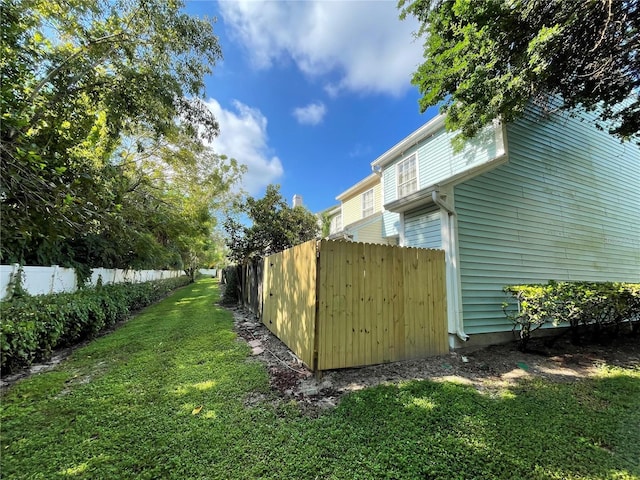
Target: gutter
453,280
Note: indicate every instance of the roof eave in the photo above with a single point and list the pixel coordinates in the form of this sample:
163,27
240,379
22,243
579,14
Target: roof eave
369,181
427,130
413,200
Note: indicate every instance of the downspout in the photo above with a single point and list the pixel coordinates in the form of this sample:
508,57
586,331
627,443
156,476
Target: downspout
453,266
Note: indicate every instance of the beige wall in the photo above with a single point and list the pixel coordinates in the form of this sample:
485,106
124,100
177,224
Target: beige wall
352,207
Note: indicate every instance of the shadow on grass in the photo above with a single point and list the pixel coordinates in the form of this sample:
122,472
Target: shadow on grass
163,397
427,429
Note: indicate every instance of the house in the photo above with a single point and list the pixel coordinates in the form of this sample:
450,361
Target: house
330,221
359,215
546,197
361,211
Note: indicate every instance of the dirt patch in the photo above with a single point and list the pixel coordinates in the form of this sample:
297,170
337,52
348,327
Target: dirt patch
487,368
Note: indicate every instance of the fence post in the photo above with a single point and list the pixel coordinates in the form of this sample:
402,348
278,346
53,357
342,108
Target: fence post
316,327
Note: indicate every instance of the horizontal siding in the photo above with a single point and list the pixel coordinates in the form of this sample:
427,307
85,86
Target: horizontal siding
370,232
422,228
351,210
438,162
565,207
377,197
390,224
389,176
390,220
352,207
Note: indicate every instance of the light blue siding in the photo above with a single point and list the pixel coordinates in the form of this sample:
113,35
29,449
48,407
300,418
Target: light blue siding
565,207
422,228
437,160
390,224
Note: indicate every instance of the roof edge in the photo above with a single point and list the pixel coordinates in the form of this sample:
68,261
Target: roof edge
418,135
365,182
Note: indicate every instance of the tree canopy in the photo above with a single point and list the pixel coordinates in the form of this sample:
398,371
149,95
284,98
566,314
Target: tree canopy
486,59
102,131
274,226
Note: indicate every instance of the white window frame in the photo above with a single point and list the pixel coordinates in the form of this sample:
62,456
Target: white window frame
368,210
336,223
399,192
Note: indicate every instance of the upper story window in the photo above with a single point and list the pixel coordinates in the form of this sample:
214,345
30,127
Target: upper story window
367,203
336,224
407,176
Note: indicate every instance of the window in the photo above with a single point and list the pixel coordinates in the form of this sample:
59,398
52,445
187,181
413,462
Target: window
336,224
407,178
367,203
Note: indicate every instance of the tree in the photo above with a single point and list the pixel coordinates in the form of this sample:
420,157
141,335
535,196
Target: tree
166,214
275,226
488,59
78,79
325,224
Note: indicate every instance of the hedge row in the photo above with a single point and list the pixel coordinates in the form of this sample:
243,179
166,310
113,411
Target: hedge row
600,306
32,327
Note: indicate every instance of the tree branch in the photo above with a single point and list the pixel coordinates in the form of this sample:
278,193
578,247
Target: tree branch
53,73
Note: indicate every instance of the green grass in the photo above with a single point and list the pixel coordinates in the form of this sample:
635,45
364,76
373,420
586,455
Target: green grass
122,408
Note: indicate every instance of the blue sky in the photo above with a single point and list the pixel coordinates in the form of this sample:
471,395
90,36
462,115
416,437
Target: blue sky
310,92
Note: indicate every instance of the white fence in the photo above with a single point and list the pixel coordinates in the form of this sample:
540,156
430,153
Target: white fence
55,279
209,272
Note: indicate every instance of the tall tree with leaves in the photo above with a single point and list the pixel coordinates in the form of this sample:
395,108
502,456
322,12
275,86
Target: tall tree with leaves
165,208
76,77
488,58
274,226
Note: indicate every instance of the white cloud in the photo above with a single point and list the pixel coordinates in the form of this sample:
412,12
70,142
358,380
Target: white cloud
363,42
312,114
243,136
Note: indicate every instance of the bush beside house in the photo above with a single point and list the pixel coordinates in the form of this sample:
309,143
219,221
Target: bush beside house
602,307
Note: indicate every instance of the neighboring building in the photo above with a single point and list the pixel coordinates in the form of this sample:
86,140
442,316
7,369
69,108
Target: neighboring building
296,201
334,216
362,211
546,197
358,217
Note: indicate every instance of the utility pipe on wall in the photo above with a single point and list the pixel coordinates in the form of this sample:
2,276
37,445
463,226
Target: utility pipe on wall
453,278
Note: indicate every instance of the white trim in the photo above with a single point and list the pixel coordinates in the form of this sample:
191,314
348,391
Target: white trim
414,138
373,203
381,191
349,192
334,226
444,198
401,235
413,156
422,196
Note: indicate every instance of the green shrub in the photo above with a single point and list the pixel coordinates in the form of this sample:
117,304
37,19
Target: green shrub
32,327
598,306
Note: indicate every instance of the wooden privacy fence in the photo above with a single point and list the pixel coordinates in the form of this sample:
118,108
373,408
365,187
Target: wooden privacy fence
343,304
250,277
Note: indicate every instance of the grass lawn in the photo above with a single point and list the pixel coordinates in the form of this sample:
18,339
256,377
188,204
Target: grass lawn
165,397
